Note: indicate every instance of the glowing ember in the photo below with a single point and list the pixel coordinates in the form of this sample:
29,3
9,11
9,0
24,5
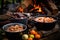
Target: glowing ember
20,9
36,8
39,10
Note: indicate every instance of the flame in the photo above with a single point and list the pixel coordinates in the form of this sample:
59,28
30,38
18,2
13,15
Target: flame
36,7
20,9
39,10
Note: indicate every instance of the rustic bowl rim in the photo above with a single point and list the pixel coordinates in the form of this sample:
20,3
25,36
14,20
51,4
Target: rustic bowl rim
7,25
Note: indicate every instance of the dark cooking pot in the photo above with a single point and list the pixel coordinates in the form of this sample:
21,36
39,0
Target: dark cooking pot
19,18
44,26
14,35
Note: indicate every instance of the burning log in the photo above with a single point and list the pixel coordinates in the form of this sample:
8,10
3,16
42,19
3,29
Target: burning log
20,9
24,4
37,8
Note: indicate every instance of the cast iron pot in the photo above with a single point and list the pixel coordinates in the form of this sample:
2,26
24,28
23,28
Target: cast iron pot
14,35
44,26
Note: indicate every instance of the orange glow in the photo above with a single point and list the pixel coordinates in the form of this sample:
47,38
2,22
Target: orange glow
37,7
39,10
20,9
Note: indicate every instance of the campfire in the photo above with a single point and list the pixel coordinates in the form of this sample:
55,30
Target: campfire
35,6
20,9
